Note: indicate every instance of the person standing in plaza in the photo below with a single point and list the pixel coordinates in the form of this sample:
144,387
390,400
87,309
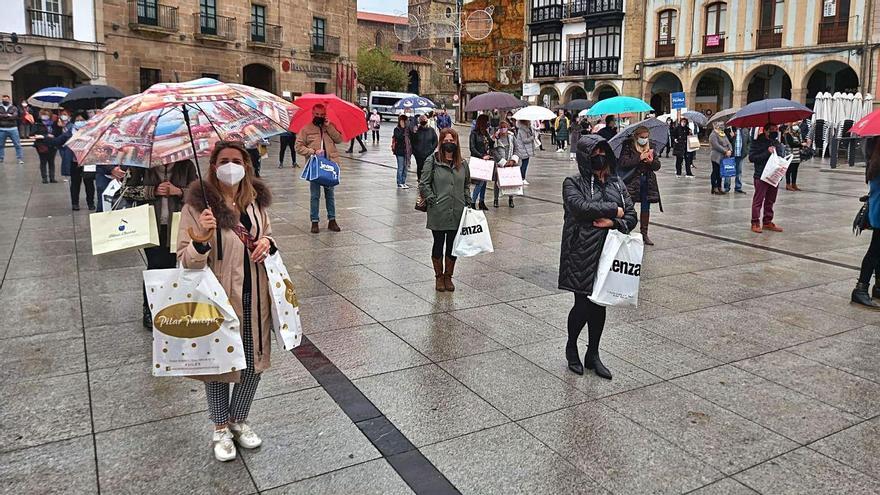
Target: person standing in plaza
871,260
360,138
445,185
610,129
574,135
286,140
9,120
444,121
740,140
524,146
402,148
26,120
375,124
720,149
424,143
537,128
594,202
668,147
320,137
638,167
163,187
72,169
43,133
503,153
233,214
766,144
680,149
481,145
561,128
792,140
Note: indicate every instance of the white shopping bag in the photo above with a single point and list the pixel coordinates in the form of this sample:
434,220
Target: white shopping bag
473,235
775,169
512,191
285,307
510,177
481,169
619,272
107,194
195,328
120,230
173,231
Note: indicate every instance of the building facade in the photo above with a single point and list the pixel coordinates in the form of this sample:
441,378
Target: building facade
588,49
50,43
436,42
378,31
728,53
288,47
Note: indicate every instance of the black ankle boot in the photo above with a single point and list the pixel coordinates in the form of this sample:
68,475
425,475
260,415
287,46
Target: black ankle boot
483,206
875,292
495,204
510,201
574,361
592,362
860,296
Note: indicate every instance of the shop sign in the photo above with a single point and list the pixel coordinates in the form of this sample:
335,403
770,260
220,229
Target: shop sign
311,70
10,47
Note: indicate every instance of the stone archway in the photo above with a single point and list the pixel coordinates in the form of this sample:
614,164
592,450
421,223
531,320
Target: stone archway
414,82
767,81
713,90
829,76
604,91
259,76
548,97
661,86
575,92
32,77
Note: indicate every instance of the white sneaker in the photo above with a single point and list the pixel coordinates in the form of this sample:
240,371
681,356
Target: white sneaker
525,182
678,176
404,186
245,436
224,449
21,162
690,176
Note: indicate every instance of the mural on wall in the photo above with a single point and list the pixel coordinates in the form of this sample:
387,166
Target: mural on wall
497,59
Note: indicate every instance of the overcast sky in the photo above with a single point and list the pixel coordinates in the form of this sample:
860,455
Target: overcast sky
385,6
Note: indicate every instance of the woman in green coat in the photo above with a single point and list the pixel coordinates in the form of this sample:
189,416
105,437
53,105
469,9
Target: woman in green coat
445,185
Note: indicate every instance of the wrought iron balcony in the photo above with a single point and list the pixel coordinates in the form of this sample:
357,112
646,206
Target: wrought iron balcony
325,45
834,32
713,43
599,7
577,67
604,65
49,24
264,35
146,15
769,37
214,27
577,8
547,13
665,48
546,69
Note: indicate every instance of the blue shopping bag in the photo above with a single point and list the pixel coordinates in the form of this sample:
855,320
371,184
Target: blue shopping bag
321,171
728,167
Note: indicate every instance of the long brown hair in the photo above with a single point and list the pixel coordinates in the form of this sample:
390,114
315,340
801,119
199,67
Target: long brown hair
246,193
482,124
456,156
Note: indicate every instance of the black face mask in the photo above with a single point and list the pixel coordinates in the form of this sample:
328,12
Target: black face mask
774,135
6,102
319,121
448,147
597,163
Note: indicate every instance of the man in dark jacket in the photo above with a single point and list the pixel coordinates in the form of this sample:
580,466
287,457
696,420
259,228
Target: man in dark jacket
424,143
9,116
610,129
444,121
740,140
766,144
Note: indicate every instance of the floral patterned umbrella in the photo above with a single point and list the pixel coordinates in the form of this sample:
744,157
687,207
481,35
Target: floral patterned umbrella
177,121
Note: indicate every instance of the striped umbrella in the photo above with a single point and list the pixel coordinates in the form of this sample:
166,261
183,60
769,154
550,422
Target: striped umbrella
48,98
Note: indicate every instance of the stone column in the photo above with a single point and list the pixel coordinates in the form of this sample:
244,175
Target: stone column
799,94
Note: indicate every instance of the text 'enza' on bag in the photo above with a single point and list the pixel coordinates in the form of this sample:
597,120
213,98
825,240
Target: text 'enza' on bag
473,229
625,268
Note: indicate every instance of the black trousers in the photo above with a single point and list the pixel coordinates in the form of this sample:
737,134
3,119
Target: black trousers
79,178
420,163
791,173
360,141
47,164
589,314
287,143
441,237
871,261
375,136
688,159
716,175
159,257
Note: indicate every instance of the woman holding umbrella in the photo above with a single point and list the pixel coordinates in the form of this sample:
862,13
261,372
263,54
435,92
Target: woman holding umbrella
70,167
720,149
638,167
43,133
561,127
233,213
680,149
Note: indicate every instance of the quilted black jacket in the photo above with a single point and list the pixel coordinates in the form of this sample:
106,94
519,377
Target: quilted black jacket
586,199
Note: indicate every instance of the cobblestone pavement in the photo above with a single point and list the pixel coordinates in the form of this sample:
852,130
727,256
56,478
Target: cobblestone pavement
744,369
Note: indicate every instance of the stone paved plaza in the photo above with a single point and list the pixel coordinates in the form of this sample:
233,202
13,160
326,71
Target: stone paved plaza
743,370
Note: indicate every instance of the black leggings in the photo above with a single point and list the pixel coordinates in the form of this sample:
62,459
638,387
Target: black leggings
586,312
78,178
791,173
287,143
441,237
360,141
716,176
47,164
376,136
871,261
688,159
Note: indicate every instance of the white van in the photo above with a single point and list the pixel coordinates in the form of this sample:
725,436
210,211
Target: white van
383,102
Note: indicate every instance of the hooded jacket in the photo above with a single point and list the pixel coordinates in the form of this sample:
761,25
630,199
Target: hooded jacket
585,199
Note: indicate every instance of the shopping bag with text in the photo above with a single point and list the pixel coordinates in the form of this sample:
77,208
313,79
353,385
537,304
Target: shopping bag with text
481,169
285,306
473,235
620,269
120,230
775,169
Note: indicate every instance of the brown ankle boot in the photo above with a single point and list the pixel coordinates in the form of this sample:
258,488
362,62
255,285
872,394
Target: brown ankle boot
333,226
643,221
439,282
447,275
315,228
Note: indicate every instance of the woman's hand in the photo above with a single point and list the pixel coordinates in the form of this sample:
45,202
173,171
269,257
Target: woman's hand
646,156
603,223
727,153
487,157
620,212
173,190
117,173
207,221
261,250
162,189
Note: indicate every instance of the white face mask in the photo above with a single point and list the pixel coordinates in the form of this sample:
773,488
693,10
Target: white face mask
230,173
643,141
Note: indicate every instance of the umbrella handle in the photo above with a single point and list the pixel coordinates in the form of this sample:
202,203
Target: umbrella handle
200,238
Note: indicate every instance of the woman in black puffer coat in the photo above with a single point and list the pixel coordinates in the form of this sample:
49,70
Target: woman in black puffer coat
594,201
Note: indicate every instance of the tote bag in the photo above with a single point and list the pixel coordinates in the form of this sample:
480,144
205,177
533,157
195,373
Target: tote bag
775,169
619,272
173,231
120,230
195,328
321,171
693,143
481,169
728,167
510,177
473,235
285,306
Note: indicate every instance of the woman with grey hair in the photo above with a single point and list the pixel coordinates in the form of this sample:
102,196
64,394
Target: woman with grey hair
720,149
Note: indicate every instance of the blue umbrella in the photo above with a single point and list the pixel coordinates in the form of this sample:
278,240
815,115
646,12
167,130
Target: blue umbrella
48,98
413,102
618,105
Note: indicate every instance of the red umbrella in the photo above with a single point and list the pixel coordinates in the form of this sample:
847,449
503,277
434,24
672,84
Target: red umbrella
348,118
772,111
869,125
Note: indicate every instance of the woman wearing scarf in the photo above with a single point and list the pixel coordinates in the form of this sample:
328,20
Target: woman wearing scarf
638,165
720,149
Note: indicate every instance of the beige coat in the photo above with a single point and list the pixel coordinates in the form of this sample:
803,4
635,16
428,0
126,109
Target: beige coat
308,141
230,269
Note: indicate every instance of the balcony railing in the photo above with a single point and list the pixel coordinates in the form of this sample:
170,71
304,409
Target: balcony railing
49,24
833,32
265,34
214,27
769,37
713,43
665,48
547,13
152,16
546,69
577,8
598,7
605,65
325,45
576,67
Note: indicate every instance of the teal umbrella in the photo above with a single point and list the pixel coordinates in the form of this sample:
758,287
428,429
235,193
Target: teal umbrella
617,105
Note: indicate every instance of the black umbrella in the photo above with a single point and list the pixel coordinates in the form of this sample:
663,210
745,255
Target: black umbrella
90,97
493,100
578,105
659,134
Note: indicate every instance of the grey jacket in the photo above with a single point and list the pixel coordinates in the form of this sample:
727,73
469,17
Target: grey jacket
719,147
524,142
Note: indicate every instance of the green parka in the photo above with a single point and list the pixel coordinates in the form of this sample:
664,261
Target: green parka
447,192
